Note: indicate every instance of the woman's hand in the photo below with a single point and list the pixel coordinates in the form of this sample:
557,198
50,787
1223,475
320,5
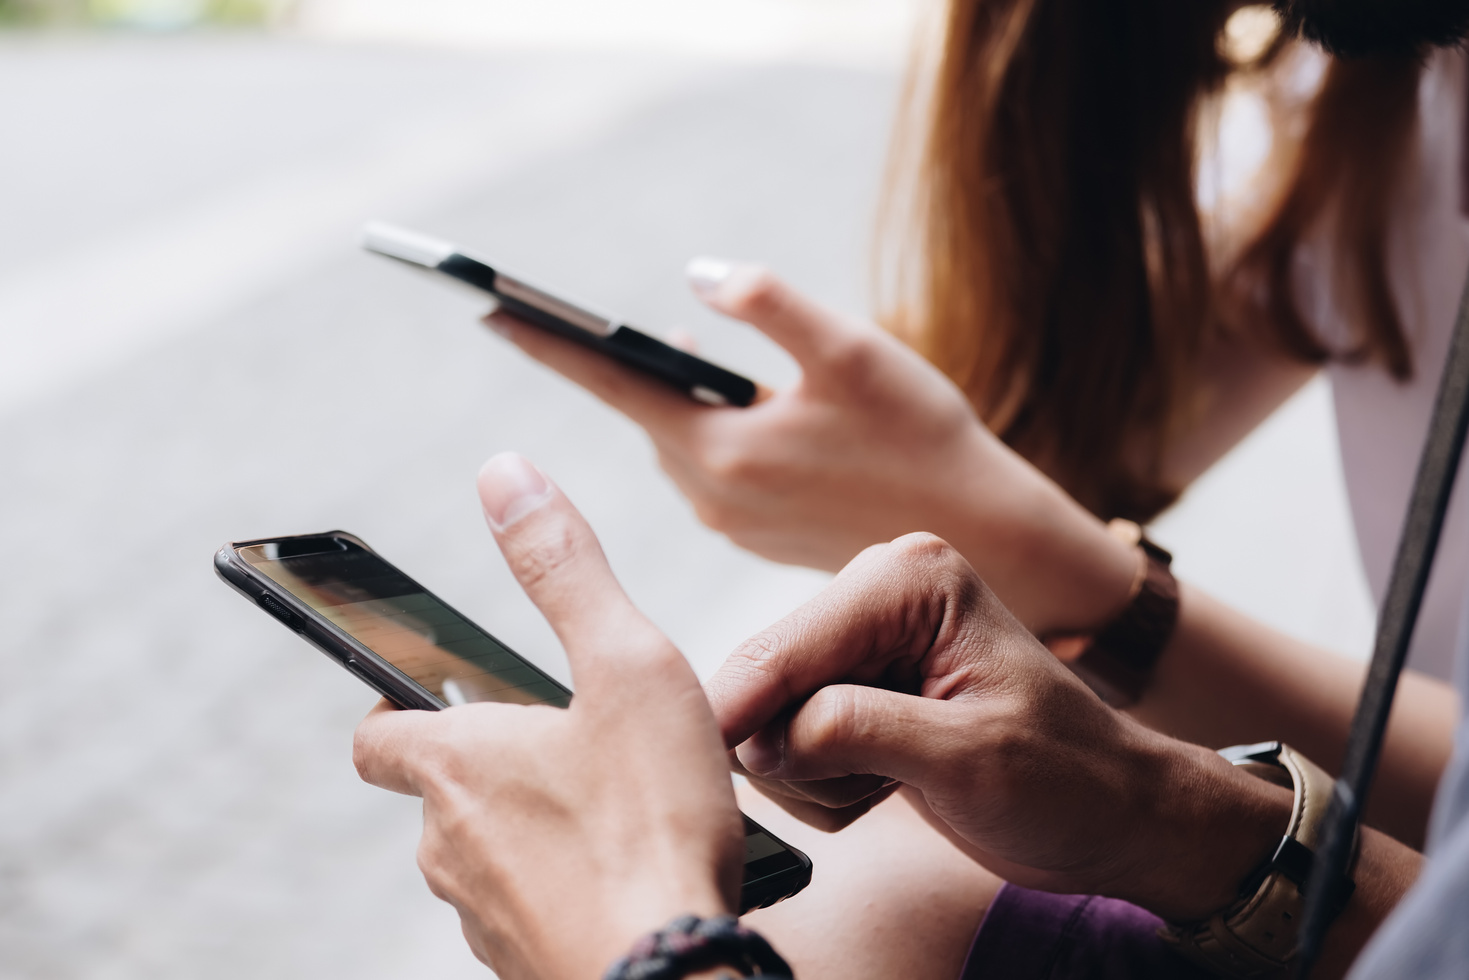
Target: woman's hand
870,443
563,835
908,670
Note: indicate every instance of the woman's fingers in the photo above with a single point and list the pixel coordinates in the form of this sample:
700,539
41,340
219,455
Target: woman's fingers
647,401
683,340
811,334
554,555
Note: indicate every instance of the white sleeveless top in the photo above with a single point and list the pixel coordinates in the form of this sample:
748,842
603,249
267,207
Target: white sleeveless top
1383,423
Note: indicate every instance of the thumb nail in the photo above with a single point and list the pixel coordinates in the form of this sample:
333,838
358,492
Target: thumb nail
763,752
707,274
493,320
509,488
683,340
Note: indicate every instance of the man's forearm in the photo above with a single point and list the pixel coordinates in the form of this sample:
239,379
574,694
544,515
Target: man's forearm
1226,679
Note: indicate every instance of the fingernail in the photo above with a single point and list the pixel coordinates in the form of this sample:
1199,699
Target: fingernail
496,324
707,274
763,753
509,488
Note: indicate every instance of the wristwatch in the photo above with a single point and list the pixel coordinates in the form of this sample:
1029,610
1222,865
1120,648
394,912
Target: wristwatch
1257,935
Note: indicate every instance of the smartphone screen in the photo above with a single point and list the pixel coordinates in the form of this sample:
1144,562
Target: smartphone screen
409,627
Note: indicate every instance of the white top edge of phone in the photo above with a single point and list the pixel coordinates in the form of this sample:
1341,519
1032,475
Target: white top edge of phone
434,254
698,378
404,245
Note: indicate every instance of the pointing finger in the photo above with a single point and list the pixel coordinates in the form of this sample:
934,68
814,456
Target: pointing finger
650,403
554,555
810,333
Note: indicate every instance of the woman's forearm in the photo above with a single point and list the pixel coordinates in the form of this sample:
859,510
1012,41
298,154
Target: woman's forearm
1385,870
1053,564
1226,679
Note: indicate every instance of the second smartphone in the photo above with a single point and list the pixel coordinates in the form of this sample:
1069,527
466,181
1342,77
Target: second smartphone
694,376
414,650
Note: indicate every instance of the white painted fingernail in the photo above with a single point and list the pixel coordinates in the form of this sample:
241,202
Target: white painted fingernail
683,340
707,274
491,320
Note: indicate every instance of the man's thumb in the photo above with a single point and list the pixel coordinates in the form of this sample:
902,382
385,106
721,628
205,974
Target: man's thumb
848,729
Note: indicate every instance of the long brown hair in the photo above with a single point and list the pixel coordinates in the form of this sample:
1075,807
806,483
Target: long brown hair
1061,276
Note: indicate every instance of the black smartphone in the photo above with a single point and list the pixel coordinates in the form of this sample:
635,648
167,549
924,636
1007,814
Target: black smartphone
409,646
696,377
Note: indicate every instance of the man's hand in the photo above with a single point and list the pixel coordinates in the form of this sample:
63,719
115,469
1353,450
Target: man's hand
562,835
908,670
873,441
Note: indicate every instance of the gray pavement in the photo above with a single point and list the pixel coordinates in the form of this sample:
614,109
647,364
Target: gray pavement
195,351
176,794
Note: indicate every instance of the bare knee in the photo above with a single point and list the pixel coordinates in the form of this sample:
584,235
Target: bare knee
888,897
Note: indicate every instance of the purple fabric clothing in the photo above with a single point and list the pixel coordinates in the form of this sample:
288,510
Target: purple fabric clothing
1028,935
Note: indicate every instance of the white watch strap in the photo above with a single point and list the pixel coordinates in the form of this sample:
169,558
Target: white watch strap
1257,936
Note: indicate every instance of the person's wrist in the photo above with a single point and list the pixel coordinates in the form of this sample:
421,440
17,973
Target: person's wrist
692,946
1093,571
637,917
1205,827
1052,563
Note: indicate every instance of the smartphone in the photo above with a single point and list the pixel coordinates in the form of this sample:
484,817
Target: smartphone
413,649
696,377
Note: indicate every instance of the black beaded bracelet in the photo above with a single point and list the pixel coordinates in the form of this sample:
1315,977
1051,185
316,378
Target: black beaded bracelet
690,944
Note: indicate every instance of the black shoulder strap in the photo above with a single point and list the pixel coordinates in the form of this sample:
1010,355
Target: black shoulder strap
1411,565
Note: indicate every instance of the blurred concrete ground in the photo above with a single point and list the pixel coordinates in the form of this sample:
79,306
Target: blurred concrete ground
193,350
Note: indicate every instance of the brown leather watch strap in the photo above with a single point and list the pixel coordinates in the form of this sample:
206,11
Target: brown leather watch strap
1118,660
